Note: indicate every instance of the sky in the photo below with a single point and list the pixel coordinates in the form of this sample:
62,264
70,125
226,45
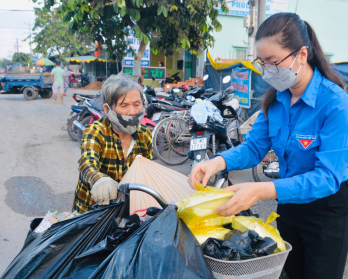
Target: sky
15,25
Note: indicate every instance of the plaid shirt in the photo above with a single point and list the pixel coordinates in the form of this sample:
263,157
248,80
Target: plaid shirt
102,156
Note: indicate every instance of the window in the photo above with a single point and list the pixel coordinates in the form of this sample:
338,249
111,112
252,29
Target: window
240,52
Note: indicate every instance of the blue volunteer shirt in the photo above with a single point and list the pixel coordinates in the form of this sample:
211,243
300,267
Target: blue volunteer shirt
310,140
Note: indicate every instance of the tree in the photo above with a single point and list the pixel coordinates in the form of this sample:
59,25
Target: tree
21,57
52,34
179,24
3,62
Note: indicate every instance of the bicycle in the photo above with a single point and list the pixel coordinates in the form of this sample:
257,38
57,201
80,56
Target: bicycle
171,139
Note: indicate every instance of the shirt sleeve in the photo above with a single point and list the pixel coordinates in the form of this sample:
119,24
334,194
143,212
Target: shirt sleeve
91,147
330,165
251,152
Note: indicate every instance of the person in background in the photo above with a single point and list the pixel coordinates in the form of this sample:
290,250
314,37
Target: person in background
110,145
304,119
58,80
67,74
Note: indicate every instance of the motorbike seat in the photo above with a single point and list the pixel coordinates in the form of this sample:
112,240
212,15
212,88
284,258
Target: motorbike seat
78,107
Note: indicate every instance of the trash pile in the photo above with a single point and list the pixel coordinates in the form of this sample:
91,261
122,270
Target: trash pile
53,217
232,238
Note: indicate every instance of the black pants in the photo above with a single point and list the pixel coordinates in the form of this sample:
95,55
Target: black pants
318,233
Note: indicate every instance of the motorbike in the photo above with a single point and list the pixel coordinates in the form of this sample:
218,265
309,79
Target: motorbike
84,80
173,78
215,136
73,81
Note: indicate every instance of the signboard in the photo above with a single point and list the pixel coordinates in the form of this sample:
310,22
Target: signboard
157,72
135,43
241,7
241,82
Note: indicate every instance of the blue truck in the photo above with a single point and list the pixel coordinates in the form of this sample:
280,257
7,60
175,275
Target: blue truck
19,80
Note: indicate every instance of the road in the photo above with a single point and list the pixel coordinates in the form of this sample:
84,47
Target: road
39,168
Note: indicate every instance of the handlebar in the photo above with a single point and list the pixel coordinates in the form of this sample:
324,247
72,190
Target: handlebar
124,190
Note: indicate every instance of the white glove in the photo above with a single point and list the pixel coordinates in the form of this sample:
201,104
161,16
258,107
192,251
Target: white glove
104,190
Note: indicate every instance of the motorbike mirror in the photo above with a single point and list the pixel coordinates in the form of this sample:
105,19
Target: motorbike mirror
205,77
191,98
175,90
168,86
153,77
226,79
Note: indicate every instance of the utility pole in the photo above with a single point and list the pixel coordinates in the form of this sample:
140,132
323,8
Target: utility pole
252,24
17,45
257,14
29,35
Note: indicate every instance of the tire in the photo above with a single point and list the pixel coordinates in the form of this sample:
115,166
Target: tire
257,171
171,141
154,156
85,121
74,84
72,130
46,93
30,94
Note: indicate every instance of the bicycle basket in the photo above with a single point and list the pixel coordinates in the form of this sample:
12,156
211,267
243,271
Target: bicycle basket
267,267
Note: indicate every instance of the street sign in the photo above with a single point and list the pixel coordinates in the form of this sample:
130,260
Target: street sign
135,43
241,7
157,72
241,82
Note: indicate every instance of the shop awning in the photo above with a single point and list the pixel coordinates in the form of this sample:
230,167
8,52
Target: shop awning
87,59
223,65
82,59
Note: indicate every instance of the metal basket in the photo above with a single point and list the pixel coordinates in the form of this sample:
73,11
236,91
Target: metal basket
267,267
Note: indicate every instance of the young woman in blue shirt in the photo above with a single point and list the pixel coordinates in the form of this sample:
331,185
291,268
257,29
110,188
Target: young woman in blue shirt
304,119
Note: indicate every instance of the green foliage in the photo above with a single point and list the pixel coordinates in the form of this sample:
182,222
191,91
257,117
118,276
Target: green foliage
180,24
3,62
51,33
21,57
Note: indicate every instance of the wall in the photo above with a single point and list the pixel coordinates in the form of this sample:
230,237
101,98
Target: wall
329,20
327,17
232,33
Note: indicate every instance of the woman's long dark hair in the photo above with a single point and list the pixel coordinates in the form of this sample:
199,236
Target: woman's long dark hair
294,33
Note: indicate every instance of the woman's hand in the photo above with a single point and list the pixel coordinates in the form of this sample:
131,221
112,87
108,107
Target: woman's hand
247,194
204,170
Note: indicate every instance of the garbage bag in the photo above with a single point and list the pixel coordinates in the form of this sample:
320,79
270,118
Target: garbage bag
47,254
201,204
162,247
85,264
242,246
242,224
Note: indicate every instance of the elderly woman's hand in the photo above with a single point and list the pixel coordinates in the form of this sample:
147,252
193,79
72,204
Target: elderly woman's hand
104,190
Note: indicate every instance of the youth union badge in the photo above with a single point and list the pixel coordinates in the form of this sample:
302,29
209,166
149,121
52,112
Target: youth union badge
305,140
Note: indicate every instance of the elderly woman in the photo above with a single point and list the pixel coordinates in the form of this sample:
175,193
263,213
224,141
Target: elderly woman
110,145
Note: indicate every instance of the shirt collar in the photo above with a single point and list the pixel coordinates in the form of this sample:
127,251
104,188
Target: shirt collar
311,92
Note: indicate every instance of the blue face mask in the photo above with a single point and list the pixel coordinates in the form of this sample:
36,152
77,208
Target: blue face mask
284,79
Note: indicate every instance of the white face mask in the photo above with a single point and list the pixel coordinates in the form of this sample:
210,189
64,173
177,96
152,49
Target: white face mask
282,80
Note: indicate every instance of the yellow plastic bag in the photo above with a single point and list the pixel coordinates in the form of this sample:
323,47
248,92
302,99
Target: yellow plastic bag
202,234
201,204
243,224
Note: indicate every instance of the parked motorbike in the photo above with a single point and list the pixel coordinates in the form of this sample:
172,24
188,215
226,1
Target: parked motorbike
84,80
73,81
213,136
173,78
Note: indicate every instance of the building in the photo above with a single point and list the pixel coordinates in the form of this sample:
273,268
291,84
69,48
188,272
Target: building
327,17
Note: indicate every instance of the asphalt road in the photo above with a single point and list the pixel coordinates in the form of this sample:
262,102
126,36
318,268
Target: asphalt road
39,168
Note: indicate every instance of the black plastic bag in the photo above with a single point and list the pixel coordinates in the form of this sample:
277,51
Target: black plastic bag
242,246
85,264
48,254
162,247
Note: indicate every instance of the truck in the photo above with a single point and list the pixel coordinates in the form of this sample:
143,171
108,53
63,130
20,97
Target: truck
19,80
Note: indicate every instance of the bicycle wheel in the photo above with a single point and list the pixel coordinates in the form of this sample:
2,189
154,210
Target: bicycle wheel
267,169
171,141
